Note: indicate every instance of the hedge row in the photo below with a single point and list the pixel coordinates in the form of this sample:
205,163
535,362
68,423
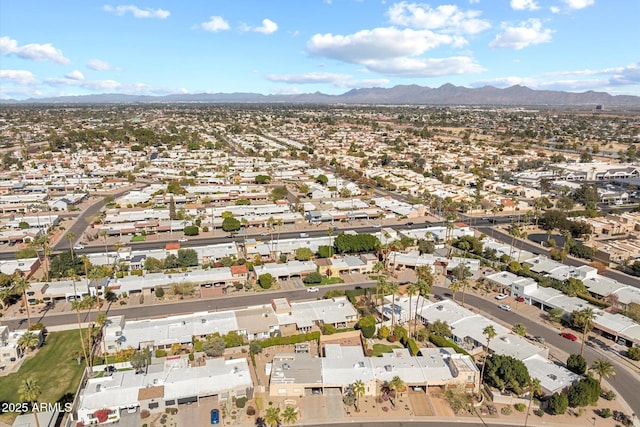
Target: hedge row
443,342
294,339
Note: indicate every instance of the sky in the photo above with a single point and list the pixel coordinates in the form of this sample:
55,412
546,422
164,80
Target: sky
147,47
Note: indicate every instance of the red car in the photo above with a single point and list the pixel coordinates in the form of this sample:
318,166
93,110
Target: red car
569,336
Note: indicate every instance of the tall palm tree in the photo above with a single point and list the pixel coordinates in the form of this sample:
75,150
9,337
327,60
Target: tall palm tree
412,290
587,317
358,389
21,285
603,368
71,236
77,305
490,333
290,415
534,388
455,287
29,391
273,416
393,289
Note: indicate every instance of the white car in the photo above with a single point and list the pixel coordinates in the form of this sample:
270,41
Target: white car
78,247
505,307
183,239
501,296
313,289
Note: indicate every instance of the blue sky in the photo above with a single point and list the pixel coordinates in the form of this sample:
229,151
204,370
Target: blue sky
76,47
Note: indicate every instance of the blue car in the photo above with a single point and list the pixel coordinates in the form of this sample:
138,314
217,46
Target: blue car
215,416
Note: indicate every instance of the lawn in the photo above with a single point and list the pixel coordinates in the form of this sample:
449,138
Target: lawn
57,372
378,349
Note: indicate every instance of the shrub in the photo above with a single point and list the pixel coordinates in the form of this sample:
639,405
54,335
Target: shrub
520,407
605,412
240,402
633,353
159,292
506,410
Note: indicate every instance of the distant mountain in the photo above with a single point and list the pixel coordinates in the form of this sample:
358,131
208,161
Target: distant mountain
447,94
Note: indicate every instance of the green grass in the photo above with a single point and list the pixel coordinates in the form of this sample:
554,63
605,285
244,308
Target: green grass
331,280
139,238
53,366
378,349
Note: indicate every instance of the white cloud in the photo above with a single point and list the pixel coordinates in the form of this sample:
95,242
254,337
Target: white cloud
524,5
446,18
19,77
268,27
578,4
34,51
137,12
376,44
425,67
526,34
215,24
99,65
75,75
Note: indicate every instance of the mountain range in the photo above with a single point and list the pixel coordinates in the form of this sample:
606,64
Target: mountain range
447,94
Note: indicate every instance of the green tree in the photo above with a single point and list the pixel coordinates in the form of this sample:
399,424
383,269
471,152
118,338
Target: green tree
187,257
266,280
577,363
231,225
304,254
214,346
558,403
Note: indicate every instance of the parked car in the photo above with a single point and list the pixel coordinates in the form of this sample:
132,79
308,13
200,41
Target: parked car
215,416
569,336
505,307
501,296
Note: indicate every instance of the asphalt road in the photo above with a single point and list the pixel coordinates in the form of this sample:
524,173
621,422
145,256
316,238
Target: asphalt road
626,383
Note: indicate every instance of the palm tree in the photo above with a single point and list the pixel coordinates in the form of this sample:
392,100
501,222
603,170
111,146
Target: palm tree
393,289
412,290
358,389
29,391
273,417
20,286
603,368
490,333
455,287
534,388
519,329
396,385
70,235
77,305
290,415
28,340
587,317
